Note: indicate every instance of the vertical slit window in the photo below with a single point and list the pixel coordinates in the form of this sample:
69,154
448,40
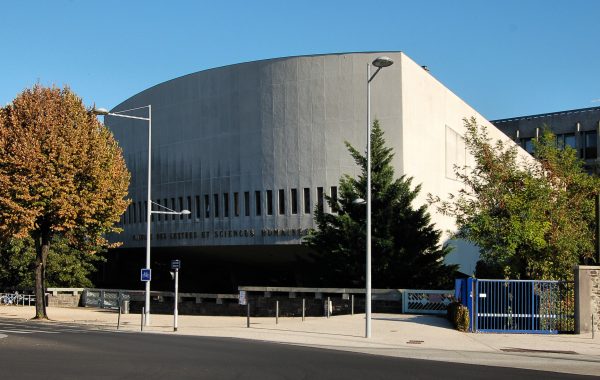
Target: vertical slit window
236,204
226,205
294,201
134,213
591,144
281,201
215,205
334,198
307,200
146,211
166,204
180,207
198,208
257,202
206,206
173,208
247,203
269,202
320,198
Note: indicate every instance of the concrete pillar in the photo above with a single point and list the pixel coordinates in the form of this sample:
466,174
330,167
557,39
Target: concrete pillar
587,298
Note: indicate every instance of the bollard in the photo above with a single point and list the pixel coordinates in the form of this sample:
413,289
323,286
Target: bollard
352,305
592,326
143,314
248,315
276,312
328,306
119,318
303,308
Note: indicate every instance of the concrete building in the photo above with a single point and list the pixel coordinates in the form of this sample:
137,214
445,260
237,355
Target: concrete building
252,148
578,128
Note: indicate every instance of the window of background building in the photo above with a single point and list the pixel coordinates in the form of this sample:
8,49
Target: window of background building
140,212
189,207
527,144
134,213
157,215
294,201
247,203
215,205
226,205
127,214
320,198
334,197
281,201
257,202
146,211
206,206
567,139
166,204
591,144
236,204
180,208
269,202
307,200
198,208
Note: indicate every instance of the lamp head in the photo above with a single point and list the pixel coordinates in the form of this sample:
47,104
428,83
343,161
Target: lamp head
99,111
382,62
359,201
185,212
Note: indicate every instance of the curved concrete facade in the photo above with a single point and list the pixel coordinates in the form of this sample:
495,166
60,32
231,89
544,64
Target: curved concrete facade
277,128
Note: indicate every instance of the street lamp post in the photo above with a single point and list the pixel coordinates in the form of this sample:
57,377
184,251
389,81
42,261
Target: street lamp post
380,63
149,212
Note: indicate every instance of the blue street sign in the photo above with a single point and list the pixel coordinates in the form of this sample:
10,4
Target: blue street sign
146,274
175,264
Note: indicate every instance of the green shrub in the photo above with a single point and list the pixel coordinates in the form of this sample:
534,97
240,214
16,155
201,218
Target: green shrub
458,314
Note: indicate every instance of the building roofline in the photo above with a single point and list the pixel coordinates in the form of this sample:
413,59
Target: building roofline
579,110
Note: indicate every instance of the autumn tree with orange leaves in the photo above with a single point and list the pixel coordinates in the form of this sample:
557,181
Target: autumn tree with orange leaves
62,174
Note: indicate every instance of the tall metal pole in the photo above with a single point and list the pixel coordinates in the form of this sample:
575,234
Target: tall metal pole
368,274
148,214
176,308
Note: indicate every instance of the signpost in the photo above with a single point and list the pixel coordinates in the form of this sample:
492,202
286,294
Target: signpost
176,265
146,274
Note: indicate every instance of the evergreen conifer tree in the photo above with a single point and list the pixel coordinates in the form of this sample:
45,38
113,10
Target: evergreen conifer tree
406,250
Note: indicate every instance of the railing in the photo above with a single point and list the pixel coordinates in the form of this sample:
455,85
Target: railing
17,299
426,301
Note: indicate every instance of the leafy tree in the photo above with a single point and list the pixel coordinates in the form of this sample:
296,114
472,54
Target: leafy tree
406,252
532,219
66,266
62,174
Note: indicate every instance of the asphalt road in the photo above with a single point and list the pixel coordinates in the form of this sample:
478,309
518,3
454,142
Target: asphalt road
31,350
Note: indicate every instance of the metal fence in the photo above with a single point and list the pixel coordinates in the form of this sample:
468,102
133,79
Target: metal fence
17,299
426,301
104,299
519,306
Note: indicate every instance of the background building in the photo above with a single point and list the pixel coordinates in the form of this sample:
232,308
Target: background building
251,149
577,128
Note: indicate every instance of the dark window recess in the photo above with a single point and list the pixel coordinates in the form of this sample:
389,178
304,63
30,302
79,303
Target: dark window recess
591,144
247,203
134,213
257,202
180,207
128,214
236,204
307,200
294,201
567,139
189,207
269,202
226,205
320,198
166,204
334,198
206,206
527,144
140,212
281,201
146,211
198,207
216,205
173,216
155,207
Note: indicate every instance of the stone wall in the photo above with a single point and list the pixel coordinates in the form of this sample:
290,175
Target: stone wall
63,300
587,299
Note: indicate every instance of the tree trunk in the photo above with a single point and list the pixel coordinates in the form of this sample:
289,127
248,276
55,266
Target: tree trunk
42,247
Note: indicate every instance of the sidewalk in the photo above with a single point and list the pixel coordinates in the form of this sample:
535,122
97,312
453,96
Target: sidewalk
399,335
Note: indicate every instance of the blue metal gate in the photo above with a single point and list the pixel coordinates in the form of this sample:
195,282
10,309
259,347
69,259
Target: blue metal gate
520,306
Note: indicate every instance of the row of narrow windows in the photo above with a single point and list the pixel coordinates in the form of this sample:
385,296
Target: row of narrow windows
588,145
228,205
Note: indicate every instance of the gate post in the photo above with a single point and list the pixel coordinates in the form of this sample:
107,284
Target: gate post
587,297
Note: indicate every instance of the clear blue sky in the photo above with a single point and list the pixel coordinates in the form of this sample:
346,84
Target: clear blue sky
505,58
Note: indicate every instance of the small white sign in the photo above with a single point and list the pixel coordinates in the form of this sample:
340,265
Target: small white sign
482,295
243,300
